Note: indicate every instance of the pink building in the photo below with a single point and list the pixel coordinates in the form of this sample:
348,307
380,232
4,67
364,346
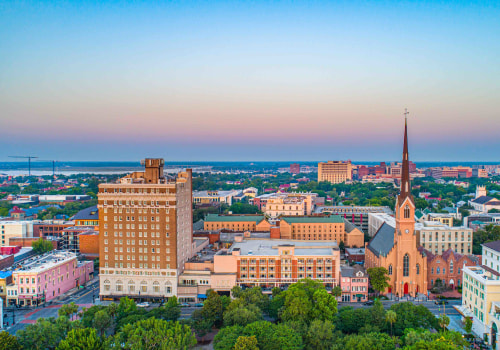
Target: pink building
46,277
354,284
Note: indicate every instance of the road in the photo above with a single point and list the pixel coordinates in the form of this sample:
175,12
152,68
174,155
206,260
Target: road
23,317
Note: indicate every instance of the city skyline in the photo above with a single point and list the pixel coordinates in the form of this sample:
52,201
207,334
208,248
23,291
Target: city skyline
250,82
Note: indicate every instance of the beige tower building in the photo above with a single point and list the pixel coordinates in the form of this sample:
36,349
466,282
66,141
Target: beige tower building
145,233
335,171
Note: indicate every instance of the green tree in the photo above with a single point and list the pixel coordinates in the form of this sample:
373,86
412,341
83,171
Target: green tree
412,316
246,343
390,317
102,322
46,333
68,310
444,321
154,334
242,315
243,208
319,335
377,315
41,246
372,341
468,325
81,339
379,278
8,341
337,291
227,337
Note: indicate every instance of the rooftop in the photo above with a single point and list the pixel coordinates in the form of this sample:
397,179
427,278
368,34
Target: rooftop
492,245
313,219
215,193
43,262
269,247
233,218
91,213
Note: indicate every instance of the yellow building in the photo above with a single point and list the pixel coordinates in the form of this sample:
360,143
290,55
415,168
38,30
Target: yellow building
335,172
237,223
312,228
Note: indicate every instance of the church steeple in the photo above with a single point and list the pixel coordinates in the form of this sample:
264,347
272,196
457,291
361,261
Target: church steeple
405,191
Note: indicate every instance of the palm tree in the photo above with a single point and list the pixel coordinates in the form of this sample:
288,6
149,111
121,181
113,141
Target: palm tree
444,321
390,317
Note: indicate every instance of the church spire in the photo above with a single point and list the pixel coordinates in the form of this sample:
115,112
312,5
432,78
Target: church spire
405,191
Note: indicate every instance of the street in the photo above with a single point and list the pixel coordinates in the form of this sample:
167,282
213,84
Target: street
24,316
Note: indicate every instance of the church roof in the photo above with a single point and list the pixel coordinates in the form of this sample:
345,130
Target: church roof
482,199
383,241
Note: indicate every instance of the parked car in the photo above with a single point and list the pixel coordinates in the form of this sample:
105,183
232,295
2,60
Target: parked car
184,304
369,302
144,304
198,304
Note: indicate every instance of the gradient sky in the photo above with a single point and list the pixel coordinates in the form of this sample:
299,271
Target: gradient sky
116,80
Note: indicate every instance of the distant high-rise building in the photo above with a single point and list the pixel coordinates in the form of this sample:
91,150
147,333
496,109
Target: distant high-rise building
145,228
294,168
335,172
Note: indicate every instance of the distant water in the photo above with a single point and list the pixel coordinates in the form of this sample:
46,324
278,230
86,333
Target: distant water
70,168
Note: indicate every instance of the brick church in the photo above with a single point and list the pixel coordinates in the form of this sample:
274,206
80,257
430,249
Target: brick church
396,249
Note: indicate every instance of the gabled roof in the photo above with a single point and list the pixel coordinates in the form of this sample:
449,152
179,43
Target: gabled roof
233,218
383,241
418,214
336,219
492,245
348,271
349,226
198,225
482,199
91,213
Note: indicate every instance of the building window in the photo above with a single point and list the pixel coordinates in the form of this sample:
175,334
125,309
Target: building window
390,270
418,269
451,266
407,212
406,265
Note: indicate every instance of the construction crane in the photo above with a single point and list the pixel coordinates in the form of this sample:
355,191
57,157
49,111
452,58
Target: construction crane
29,161
53,166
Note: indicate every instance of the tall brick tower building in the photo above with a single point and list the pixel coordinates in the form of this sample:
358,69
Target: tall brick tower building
397,249
145,233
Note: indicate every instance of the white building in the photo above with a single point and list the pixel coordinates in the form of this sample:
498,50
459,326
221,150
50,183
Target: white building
11,229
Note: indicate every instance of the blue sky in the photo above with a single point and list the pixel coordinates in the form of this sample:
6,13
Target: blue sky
255,80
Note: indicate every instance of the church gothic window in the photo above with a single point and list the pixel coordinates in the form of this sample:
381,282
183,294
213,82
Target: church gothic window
406,265
418,269
390,270
407,212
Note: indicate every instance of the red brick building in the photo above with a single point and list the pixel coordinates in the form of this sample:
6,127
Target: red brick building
447,267
295,168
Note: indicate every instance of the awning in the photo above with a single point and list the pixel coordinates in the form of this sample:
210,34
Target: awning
360,295
202,296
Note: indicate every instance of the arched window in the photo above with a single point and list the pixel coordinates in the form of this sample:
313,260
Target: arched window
131,286
119,286
144,287
406,265
156,287
390,270
418,269
168,288
107,285
407,212
432,271
438,270
451,266
444,271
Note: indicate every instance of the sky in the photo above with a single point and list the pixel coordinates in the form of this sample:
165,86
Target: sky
254,80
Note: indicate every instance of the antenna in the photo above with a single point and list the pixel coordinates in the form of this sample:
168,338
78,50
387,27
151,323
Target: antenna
29,161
